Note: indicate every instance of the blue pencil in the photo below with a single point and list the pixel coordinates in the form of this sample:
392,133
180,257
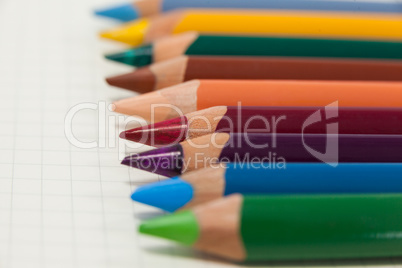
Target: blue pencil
204,185
144,8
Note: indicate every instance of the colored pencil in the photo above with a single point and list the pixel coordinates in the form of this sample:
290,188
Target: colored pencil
138,9
192,43
284,23
200,94
185,68
204,185
263,119
207,150
256,228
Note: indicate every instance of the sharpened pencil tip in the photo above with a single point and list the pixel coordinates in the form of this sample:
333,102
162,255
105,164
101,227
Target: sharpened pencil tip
130,33
138,57
169,195
120,80
166,161
124,12
142,80
159,134
181,227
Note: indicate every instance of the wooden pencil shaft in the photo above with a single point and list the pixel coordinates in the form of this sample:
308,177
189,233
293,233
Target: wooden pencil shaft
316,227
192,43
260,228
274,149
201,94
177,70
314,24
291,120
362,26
237,119
277,149
292,47
293,178
168,5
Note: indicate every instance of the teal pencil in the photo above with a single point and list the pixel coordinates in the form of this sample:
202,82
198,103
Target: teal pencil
194,44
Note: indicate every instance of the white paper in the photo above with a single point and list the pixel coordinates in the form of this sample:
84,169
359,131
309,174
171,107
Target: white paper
63,206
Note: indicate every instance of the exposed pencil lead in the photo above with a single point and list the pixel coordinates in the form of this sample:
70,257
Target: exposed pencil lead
141,80
169,195
166,161
159,134
138,57
181,227
124,12
131,33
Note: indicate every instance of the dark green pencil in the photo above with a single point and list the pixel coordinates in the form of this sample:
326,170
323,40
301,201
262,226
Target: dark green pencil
194,44
256,228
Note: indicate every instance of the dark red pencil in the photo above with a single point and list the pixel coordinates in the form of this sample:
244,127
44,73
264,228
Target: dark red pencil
249,119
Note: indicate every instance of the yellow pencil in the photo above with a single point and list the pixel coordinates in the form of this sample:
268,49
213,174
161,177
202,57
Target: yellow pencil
279,23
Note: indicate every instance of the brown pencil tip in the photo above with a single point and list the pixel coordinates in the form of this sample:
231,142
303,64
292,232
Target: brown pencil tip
141,80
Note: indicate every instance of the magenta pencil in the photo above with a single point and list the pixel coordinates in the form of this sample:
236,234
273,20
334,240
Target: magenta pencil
249,119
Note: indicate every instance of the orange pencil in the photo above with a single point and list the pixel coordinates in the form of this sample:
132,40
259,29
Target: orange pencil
200,94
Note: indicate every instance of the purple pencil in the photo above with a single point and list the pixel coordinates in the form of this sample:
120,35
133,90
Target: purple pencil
274,149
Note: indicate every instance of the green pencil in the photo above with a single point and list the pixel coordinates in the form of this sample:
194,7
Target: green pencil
194,44
256,228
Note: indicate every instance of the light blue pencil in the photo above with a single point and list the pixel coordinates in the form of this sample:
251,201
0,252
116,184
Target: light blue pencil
132,11
262,178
